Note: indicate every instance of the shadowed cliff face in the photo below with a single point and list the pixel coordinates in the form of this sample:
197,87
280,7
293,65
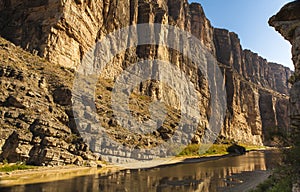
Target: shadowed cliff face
62,32
287,23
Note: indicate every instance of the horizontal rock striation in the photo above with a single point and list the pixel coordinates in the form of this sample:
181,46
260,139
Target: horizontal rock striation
63,31
36,120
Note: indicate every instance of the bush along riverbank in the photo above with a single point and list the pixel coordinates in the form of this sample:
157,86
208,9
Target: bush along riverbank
218,149
5,167
285,178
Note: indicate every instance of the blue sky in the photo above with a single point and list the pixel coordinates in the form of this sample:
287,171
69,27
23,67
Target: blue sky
249,19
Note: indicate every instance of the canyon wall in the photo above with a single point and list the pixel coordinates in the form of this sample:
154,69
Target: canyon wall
287,23
61,31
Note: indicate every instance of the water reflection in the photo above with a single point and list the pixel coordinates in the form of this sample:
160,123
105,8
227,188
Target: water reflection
228,174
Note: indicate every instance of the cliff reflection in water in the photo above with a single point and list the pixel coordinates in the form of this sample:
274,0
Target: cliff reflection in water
237,173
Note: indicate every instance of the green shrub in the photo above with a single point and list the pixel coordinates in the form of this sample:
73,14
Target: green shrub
190,150
14,167
193,150
293,79
280,181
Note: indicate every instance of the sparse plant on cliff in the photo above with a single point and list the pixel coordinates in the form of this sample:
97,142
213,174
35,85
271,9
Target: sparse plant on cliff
293,78
73,138
5,161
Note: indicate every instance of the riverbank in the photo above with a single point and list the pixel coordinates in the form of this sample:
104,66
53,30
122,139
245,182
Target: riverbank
49,174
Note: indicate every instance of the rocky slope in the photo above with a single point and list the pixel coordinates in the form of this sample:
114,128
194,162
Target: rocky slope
62,31
35,113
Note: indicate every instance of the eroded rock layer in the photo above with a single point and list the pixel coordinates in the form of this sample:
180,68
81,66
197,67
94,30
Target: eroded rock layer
35,112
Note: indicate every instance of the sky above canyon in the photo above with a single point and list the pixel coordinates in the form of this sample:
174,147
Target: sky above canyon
249,19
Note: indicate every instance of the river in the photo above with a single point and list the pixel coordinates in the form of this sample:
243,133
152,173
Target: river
237,173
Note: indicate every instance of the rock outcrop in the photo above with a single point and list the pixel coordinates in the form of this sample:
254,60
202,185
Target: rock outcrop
36,124
63,31
287,23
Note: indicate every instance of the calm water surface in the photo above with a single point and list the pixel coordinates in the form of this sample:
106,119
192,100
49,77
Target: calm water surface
238,173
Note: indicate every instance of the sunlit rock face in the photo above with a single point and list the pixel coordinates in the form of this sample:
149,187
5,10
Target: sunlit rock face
63,31
256,89
287,23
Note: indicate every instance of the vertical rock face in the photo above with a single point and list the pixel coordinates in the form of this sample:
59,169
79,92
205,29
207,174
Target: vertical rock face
252,85
57,30
62,31
287,23
251,66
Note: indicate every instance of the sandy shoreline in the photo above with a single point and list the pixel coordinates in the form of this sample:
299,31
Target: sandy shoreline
50,174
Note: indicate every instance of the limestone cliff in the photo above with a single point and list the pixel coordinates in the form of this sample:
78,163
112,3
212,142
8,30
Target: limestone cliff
62,31
287,23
